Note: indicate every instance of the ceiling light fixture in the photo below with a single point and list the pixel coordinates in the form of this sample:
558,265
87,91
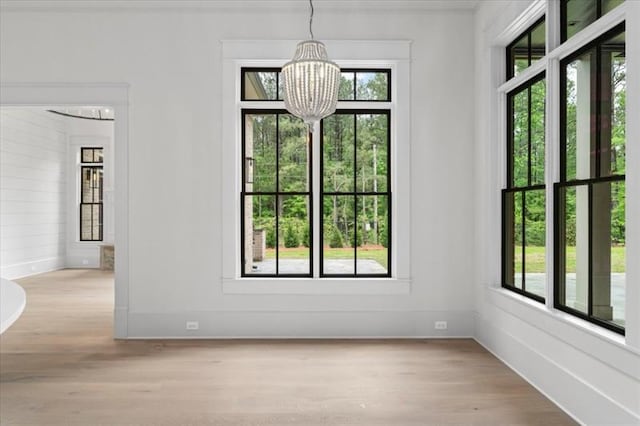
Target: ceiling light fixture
310,80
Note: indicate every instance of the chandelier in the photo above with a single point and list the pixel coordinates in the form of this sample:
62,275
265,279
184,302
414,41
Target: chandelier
310,81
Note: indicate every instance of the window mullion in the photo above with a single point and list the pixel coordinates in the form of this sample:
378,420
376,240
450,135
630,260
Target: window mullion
317,183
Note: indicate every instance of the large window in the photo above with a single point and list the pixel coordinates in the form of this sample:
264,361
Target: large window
355,194
91,207
524,198
590,197
523,201
583,193
276,198
353,197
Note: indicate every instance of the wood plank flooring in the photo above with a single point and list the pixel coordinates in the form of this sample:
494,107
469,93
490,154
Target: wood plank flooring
60,366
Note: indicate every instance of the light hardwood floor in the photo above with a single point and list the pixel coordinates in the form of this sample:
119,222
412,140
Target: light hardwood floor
59,365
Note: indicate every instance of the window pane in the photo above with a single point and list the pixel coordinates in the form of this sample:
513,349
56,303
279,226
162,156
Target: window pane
372,86
609,5
517,239
347,86
338,145
535,242
294,253
519,55
537,132
579,14
338,230
260,85
91,178
293,151
607,257
520,137
575,247
580,138
371,234
612,106
371,163
538,44
259,234
508,262
260,144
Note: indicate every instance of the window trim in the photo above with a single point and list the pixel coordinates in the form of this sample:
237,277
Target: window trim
394,54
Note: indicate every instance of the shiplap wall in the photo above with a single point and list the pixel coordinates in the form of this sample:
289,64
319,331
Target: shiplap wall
33,160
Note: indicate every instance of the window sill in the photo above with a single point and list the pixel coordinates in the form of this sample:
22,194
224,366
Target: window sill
316,286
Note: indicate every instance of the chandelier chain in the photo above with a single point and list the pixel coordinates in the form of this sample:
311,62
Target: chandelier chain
311,19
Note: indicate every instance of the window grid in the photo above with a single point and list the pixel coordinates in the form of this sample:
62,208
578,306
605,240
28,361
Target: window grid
91,194
515,190
567,183
277,194
358,194
247,176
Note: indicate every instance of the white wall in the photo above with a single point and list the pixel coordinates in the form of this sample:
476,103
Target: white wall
171,58
39,154
33,223
592,373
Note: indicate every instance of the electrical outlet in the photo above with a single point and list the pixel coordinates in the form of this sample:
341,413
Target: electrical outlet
193,325
85,261
440,325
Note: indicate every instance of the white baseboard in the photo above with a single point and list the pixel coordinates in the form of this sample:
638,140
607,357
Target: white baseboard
21,270
320,324
573,394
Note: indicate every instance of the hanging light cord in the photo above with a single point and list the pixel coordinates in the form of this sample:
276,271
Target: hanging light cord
311,19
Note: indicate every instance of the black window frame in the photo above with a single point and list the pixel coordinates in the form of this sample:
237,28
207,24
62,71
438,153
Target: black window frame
355,194
354,71
277,193
90,166
559,187
512,189
510,63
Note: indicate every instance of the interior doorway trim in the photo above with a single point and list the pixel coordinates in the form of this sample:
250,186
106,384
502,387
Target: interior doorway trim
115,95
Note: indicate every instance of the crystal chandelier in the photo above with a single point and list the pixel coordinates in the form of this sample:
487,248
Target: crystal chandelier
310,81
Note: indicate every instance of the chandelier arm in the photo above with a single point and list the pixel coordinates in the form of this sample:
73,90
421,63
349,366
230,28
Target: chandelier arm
311,19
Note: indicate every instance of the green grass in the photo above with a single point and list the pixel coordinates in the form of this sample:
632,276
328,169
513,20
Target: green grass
535,259
535,256
377,253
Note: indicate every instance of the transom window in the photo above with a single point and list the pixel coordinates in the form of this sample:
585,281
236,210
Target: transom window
350,209
528,48
361,85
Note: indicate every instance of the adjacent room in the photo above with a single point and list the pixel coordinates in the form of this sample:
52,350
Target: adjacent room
389,212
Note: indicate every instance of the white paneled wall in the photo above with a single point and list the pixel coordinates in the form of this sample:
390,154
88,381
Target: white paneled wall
33,220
